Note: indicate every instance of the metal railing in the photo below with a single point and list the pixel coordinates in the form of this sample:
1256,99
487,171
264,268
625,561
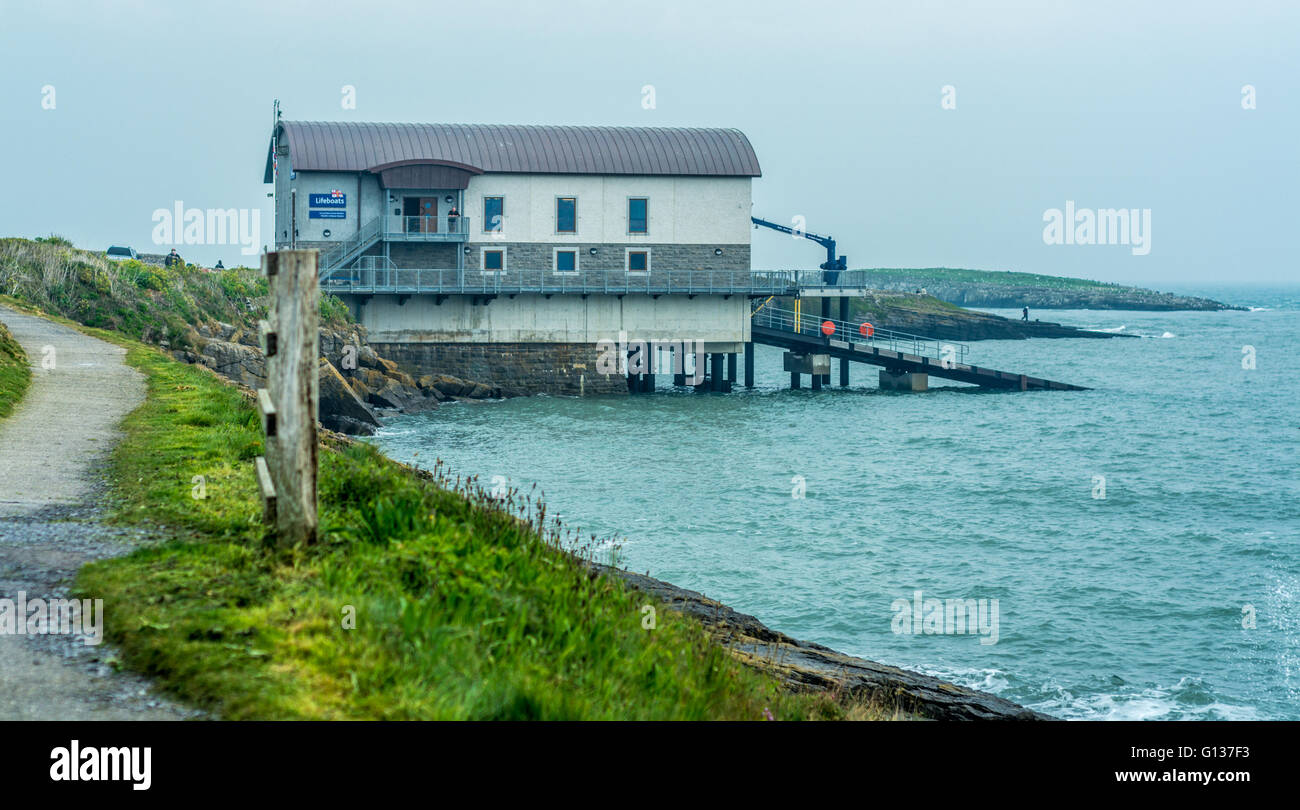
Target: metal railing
376,277
426,228
331,260
859,332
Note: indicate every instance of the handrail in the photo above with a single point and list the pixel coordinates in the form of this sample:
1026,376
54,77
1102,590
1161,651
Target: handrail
855,332
371,277
332,260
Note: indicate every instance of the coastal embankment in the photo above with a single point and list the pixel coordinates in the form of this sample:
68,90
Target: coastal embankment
426,598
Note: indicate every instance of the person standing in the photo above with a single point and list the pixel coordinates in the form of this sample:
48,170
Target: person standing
1024,315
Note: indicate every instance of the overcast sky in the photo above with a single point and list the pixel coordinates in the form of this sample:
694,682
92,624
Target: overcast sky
1106,104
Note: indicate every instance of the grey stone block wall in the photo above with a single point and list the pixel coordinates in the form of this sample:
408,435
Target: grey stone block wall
612,256
563,369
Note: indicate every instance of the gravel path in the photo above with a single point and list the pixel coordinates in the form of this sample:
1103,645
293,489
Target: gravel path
51,452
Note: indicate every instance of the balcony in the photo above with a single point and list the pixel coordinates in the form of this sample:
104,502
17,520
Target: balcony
425,228
374,274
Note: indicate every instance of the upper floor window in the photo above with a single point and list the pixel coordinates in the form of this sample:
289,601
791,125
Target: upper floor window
494,214
638,261
638,219
494,260
566,214
566,260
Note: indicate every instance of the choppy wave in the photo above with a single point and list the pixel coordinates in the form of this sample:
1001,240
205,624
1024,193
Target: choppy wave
812,511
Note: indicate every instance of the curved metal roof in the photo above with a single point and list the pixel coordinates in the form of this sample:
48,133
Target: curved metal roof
348,146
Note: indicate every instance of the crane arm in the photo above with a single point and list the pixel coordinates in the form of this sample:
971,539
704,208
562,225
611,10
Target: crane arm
832,262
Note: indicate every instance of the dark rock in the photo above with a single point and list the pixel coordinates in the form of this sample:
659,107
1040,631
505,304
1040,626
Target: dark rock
339,407
243,364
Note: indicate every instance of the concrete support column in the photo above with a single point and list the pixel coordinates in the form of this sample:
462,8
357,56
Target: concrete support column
826,315
794,380
844,361
749,364
716,371
904,380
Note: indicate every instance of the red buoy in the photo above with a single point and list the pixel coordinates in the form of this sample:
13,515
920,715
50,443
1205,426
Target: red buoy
867,329
828,328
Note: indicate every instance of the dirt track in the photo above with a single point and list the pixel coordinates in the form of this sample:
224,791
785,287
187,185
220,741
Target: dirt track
51,452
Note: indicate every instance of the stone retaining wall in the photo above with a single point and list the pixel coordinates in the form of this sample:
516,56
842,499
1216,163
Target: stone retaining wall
563,369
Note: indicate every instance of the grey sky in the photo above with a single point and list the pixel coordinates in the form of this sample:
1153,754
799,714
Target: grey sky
1108,104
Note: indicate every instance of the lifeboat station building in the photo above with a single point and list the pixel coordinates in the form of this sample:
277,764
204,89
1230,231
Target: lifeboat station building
508,254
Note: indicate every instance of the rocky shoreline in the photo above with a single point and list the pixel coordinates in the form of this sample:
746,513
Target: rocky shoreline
349,407
1013,295
804,666
923,314
354,393
915,314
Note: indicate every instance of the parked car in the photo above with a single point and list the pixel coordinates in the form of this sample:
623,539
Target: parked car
120,254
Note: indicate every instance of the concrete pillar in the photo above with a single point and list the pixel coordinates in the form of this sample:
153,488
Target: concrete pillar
679,362
826,315
749,364
817,381
716,371
844,362
794,380
904,381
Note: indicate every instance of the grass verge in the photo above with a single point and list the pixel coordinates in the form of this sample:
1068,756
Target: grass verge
15,372
423,601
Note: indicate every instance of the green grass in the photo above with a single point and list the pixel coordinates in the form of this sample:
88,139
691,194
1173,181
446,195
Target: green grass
15,372
463,608
142,301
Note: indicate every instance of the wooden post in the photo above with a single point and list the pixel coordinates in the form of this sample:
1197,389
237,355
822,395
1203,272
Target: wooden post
291,340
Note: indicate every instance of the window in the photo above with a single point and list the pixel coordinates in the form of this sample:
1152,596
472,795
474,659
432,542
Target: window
638,261
566,214
494,214
494,260
638,219
566,260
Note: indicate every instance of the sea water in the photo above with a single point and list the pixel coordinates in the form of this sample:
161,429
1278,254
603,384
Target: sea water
1140,539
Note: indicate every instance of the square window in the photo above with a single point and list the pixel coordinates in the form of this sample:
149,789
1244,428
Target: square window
638,219
566,215
566,261
638,261
494,212
494,260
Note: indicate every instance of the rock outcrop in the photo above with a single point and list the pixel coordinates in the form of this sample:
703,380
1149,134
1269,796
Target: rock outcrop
917,314
1067,294
356,384
340,409
963,324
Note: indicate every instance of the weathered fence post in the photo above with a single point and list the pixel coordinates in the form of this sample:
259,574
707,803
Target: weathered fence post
291,342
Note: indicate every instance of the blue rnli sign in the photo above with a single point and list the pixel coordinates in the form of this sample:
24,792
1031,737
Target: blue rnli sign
325,214
335,199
